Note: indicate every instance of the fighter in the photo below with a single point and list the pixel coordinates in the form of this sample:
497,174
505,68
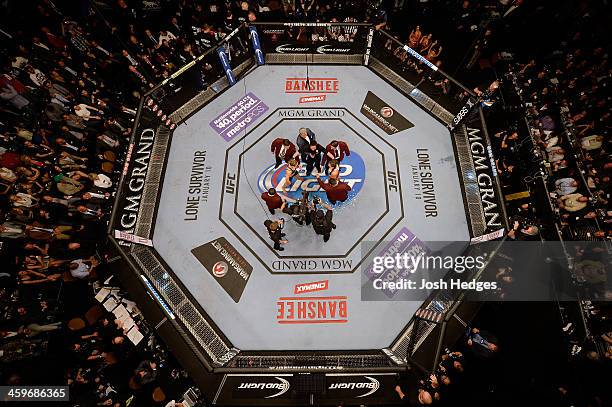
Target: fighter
291,171
333,169
336,150
283,149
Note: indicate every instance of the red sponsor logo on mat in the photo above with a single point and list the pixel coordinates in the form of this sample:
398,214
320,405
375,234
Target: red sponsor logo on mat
312,310
220,269
310,287
312,99
386,111
311,85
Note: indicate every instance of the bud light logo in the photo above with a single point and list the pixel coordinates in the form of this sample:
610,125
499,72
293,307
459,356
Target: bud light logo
352,172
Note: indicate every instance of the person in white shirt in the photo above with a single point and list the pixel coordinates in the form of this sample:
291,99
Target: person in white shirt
23,200
80,268
165,36
84,111
19,62
591,142
36,76
556,154
7,174
566,186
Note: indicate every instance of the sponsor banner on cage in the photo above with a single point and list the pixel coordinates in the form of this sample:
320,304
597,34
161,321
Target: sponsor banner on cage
463,114
383,115
489,236
239,116
259,55
245,387
226,265
346,386
277,389
225,63
128,237
420,58
135,171
338,48
485,173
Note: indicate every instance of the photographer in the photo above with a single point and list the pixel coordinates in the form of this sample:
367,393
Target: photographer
299,210
322,221
275,230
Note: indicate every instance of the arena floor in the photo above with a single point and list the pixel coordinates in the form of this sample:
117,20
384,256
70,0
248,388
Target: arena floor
211,214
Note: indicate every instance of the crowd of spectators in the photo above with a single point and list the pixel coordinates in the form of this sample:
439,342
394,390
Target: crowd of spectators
69,88
553,159
433,388
554,125
569,113
423,43
476,348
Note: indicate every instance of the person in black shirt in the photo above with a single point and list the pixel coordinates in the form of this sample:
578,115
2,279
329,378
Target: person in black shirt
299,210
304,139
207,37
145,373
322,221
275,230
67,249
313,157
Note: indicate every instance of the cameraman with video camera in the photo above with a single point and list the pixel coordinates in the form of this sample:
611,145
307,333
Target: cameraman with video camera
322,221
299,210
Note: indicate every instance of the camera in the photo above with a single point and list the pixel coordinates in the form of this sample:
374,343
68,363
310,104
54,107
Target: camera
316,200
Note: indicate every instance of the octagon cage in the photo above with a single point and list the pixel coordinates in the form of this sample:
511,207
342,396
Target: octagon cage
196,340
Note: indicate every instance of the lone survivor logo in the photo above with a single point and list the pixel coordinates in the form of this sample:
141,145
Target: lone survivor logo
199,185
423,180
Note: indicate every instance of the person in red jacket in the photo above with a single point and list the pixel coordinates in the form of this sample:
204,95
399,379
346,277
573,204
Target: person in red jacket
335,190
284,149
273,200
336,150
